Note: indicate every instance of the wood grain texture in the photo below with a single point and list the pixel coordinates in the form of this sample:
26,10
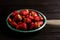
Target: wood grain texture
50,8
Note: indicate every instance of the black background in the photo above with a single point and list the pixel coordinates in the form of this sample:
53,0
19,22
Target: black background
50,8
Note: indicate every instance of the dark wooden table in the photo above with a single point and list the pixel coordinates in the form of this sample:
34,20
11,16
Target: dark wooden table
50,8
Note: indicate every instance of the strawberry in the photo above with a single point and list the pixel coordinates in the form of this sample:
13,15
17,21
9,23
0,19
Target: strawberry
36,23
33,13
23,16
15,13
36,18
19,23
13,23
27,16
18,17
22,26
33,26
41,18
27,20
40,22
24,12
31,17
9,20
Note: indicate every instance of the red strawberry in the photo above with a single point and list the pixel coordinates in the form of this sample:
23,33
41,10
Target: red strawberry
27,20
40,22
20,23
33,26
27,16
36,23
41,18
22,26
13,23
9,20
23,16
15,13
24,12
33,13
36,18
31,17
18,17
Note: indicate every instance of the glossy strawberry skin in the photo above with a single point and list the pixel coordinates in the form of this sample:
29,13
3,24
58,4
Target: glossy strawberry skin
31,17
17,17
23,17
33,13
33,26
13,23
42,18
40,22
22,26
20,23
27,16
36,18
28,20
24,12
9,20
15,13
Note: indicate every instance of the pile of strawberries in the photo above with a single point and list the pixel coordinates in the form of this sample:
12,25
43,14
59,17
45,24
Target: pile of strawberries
25,20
